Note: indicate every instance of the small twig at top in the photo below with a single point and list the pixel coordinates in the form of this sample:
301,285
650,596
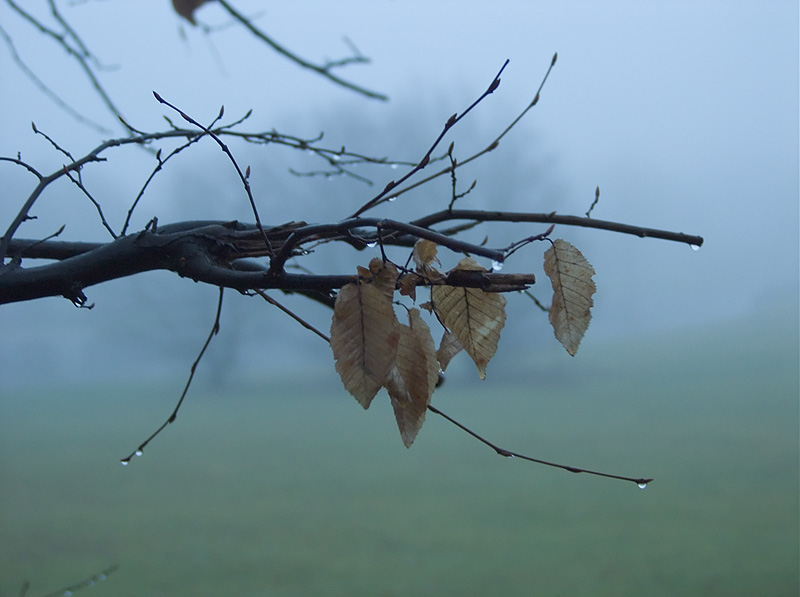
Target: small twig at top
243,176
324,70
491,147
451,122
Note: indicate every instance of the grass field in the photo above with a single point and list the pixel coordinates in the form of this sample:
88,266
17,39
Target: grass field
292,489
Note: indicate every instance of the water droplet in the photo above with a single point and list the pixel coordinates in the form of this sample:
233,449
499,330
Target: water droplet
372,244
101,577
642,485
138,452
695,247
336,158
394,166
123,462
496,265
390,199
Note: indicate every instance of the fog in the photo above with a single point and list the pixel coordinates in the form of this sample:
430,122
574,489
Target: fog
684,114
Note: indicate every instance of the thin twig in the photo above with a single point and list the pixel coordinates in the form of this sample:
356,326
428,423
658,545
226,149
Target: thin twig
80,55
174,415
88,582
291,314
491,147
324,70
46,91
243,176
451,122
596,199
641,482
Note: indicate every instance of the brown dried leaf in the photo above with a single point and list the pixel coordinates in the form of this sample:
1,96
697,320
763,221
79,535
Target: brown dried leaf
413,378
186,8
474,316
449,347
573,287
364,337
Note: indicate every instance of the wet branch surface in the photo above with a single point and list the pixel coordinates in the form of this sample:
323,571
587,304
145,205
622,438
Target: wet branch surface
220,253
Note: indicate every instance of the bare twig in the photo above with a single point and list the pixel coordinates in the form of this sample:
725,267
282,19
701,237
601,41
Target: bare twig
174,415
292,314
46,91
596,199
88,582
243,176
640,481
324,70
81,55
451,122
491,147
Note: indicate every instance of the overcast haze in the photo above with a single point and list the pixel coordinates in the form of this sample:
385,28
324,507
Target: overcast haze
684,113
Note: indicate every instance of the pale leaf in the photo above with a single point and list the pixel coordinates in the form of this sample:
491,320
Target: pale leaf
412,380
573,287
364,337
423,333
424,255
474,316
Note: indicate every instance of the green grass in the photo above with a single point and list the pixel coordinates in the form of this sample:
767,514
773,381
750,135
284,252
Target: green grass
297,491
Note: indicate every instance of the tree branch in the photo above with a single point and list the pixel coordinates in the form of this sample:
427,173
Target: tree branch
324,70
553,218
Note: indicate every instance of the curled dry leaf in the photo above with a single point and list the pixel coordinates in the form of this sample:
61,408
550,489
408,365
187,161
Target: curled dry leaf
573,287
408,285
384,276
424,254
413,377
364,338
474,316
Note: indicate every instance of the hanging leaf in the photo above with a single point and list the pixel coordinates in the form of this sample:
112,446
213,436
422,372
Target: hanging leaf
573,287
364,337
474,316
413,378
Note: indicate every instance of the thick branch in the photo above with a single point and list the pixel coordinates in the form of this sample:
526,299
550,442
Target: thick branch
210,252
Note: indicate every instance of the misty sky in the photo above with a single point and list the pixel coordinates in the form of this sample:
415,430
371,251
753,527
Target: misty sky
684,113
